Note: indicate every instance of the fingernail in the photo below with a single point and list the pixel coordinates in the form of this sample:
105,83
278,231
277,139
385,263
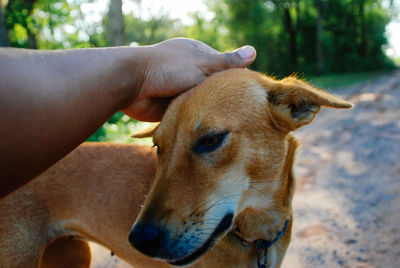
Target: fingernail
246,52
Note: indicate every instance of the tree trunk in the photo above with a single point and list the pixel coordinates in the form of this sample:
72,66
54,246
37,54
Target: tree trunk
116,24
292,31
319,29
362,48
4,42
31,42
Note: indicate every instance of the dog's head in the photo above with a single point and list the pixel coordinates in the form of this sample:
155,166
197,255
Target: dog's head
221,150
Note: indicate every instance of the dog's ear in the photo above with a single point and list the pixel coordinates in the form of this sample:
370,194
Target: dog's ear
294,103
146,133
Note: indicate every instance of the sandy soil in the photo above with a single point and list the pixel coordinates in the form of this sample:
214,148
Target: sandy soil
347,203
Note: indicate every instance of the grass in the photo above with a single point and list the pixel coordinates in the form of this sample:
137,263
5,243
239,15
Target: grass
336,80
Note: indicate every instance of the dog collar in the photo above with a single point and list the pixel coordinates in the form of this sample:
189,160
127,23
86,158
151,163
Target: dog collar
261,245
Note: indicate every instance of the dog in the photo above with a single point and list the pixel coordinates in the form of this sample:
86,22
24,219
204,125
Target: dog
222,192
94,193
224,182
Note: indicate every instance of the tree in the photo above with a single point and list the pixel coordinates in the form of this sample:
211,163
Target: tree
320,6
18,14
299,35
291,26
4,42
362,45
153,30
354,34
116,26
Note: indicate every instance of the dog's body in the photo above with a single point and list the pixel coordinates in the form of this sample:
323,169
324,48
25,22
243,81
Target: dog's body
94,193
224,177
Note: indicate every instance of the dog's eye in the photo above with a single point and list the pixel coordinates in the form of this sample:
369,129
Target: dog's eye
158,148
209,142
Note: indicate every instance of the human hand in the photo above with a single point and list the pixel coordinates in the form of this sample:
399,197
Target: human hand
176,65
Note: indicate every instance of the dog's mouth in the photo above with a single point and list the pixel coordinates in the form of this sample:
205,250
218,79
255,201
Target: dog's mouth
223,225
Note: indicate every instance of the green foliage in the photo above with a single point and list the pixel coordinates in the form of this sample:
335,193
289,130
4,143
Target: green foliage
397,62
27,20
251,22
118,129
284,33
18,21
211,32
354,35
151,31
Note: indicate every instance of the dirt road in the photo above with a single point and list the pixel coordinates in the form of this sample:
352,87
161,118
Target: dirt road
347,203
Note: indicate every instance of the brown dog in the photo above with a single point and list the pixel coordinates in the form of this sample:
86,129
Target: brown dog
224,178
224,181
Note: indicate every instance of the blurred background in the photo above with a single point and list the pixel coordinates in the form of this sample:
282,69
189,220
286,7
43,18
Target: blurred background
331,43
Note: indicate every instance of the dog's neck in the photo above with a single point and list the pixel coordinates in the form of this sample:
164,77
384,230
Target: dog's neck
253,224
268,214
263,246
231,251
268,223
261,243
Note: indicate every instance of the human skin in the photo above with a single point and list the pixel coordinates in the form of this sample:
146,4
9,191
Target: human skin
51,101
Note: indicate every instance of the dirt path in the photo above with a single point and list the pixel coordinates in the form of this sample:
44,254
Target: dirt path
347,204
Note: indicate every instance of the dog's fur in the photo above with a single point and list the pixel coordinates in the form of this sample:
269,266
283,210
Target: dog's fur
95,192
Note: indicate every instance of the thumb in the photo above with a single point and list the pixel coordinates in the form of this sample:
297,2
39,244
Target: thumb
241,57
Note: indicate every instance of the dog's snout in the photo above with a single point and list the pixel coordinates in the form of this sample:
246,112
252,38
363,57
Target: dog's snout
147,238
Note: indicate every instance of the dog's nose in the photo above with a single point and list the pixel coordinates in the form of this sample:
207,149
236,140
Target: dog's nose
147,239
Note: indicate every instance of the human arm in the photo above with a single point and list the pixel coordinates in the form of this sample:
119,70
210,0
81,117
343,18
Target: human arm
51,101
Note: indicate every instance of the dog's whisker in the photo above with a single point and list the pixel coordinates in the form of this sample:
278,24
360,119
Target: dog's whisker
208,220
202,212
256,189
203,203
217,202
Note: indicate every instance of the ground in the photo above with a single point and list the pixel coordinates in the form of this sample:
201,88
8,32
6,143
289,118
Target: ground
347,202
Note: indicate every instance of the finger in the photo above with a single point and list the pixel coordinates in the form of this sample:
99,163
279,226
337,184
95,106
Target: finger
241,57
